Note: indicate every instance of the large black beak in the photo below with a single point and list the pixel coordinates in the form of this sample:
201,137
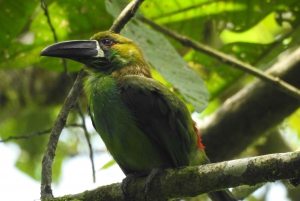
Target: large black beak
78,50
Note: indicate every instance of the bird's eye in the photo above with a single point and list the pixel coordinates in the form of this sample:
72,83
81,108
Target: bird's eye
107,42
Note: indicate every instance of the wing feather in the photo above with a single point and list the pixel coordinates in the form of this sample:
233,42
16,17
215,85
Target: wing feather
161,115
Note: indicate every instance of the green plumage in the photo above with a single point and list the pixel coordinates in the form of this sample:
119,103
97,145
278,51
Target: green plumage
142,123
116,125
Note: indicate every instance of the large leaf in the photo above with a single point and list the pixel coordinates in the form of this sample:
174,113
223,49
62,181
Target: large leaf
166,60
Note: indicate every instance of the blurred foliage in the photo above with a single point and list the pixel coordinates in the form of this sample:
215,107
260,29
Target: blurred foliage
32,89
294,121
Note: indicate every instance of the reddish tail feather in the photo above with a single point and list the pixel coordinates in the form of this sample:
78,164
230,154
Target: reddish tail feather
199,140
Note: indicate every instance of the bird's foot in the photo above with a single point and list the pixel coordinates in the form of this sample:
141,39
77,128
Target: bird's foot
150,178
295,181
126,182
132,176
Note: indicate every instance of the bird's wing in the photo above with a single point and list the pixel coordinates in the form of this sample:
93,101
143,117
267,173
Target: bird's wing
161,115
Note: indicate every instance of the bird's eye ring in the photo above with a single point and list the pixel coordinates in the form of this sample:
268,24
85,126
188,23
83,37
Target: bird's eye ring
107,42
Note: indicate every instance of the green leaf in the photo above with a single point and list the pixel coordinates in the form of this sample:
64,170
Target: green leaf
108,164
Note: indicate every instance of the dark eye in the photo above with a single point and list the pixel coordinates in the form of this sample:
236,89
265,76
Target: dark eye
107,42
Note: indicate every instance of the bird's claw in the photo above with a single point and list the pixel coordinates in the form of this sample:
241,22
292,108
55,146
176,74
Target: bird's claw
132,176
295,181
150,178
125,183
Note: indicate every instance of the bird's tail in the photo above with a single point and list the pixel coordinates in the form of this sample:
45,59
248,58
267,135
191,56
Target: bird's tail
221,196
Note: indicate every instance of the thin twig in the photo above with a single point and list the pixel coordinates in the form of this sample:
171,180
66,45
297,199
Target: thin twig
36,133
74,125
86,133
124,17
46,179
275,82
45,8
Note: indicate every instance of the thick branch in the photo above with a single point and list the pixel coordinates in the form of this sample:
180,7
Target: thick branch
251,112
193,181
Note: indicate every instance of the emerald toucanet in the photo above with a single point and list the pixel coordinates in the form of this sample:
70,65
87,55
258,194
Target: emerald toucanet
142,123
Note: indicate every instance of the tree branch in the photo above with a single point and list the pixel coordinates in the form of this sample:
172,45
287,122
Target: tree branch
193,181
60,122
275,82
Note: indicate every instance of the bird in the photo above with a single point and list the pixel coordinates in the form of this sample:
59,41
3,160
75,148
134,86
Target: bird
143,124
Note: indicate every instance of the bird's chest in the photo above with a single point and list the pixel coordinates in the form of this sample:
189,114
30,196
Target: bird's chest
108,112
129,146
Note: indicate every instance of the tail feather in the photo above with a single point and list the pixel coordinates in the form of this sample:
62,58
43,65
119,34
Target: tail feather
221,196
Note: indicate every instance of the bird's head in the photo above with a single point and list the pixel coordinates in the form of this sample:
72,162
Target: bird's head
106,52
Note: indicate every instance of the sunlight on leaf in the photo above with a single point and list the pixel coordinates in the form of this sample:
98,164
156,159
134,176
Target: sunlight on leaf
294,122
266,31
189,10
